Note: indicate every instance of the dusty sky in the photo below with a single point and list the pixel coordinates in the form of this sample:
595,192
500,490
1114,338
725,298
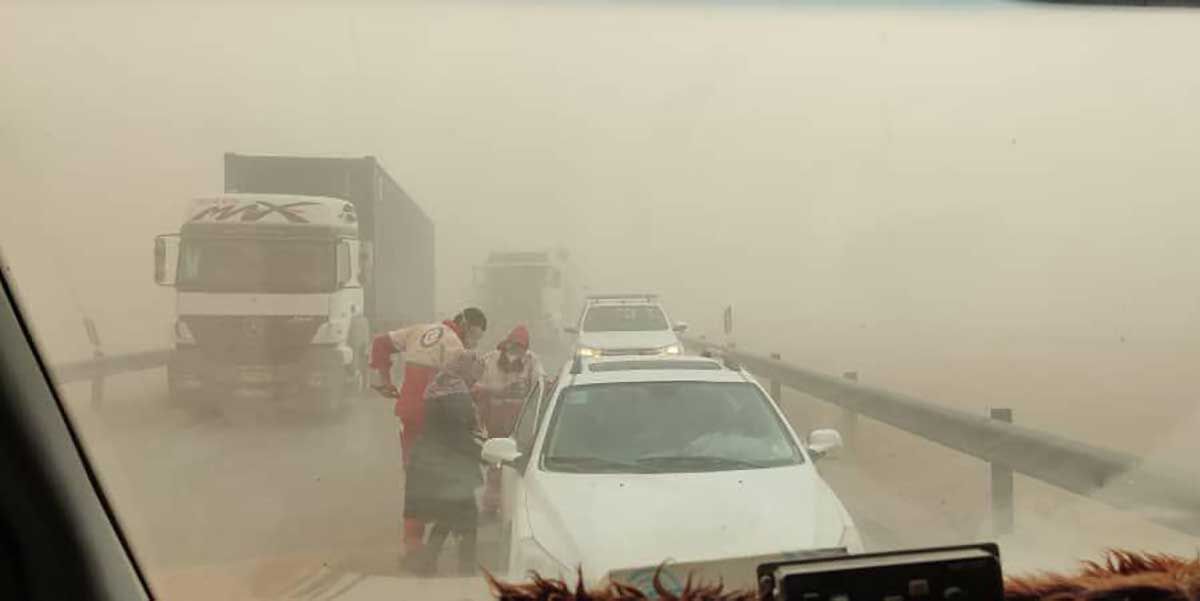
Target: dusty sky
946,178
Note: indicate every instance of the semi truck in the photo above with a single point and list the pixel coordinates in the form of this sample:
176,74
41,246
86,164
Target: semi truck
281,280
534,287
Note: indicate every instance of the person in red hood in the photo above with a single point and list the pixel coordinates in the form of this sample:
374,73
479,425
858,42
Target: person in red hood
427,349
509,373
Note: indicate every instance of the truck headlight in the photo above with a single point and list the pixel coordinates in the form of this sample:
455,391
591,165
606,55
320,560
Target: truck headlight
535,558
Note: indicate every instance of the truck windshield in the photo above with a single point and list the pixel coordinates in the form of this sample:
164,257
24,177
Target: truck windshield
273,266
514,292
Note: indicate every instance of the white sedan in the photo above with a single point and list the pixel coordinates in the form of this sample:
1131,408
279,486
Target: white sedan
629,462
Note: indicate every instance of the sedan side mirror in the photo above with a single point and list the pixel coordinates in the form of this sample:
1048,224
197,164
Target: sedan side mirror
680,327
824,443
498,451
571,329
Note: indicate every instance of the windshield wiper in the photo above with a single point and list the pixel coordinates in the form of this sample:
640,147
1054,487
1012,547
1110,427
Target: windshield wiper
698,461
595,464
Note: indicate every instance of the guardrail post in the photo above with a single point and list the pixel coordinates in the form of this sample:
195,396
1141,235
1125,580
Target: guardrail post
776,386
93,335
97,382
1002,485
848,424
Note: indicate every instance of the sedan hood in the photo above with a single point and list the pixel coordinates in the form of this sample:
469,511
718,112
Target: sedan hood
628,340
619,522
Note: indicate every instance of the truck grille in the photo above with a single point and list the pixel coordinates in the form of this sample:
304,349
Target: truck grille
253,339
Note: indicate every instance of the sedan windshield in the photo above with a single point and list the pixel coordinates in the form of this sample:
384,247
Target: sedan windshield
637,318
666,427
271,266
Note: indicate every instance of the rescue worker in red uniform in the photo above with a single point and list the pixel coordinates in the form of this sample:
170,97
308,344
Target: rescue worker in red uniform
510,372
427,349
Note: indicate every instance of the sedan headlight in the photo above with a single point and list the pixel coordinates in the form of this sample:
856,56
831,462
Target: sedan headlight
585,351
532,557
851,541
673,349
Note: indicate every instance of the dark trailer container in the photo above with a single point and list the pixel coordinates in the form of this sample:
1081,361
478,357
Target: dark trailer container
399,236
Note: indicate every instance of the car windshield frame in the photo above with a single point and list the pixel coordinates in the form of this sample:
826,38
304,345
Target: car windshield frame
661,325
776,421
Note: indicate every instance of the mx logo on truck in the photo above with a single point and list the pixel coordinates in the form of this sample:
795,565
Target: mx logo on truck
254,211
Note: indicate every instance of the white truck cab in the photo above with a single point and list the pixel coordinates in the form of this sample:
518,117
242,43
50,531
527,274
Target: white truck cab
269,298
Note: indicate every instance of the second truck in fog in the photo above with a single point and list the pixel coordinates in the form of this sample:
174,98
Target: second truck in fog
281,280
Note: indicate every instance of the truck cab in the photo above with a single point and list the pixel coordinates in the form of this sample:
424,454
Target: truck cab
532,287
268,299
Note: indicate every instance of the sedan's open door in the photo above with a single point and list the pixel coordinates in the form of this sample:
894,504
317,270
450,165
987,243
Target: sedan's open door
512,492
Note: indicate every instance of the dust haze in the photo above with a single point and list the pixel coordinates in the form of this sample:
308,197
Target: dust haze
985,206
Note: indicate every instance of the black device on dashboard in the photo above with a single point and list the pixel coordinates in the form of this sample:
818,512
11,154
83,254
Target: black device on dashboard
960,573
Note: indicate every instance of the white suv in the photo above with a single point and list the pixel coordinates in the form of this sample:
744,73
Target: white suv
626,324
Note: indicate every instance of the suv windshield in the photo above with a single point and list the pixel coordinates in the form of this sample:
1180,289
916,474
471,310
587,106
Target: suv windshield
666,427
636,318
239,265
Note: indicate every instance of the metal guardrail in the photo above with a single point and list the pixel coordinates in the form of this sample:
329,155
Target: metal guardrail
106,365
1119,479
103,366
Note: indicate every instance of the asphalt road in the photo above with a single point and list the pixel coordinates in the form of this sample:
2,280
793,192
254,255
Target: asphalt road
284,506
199,495
276,505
